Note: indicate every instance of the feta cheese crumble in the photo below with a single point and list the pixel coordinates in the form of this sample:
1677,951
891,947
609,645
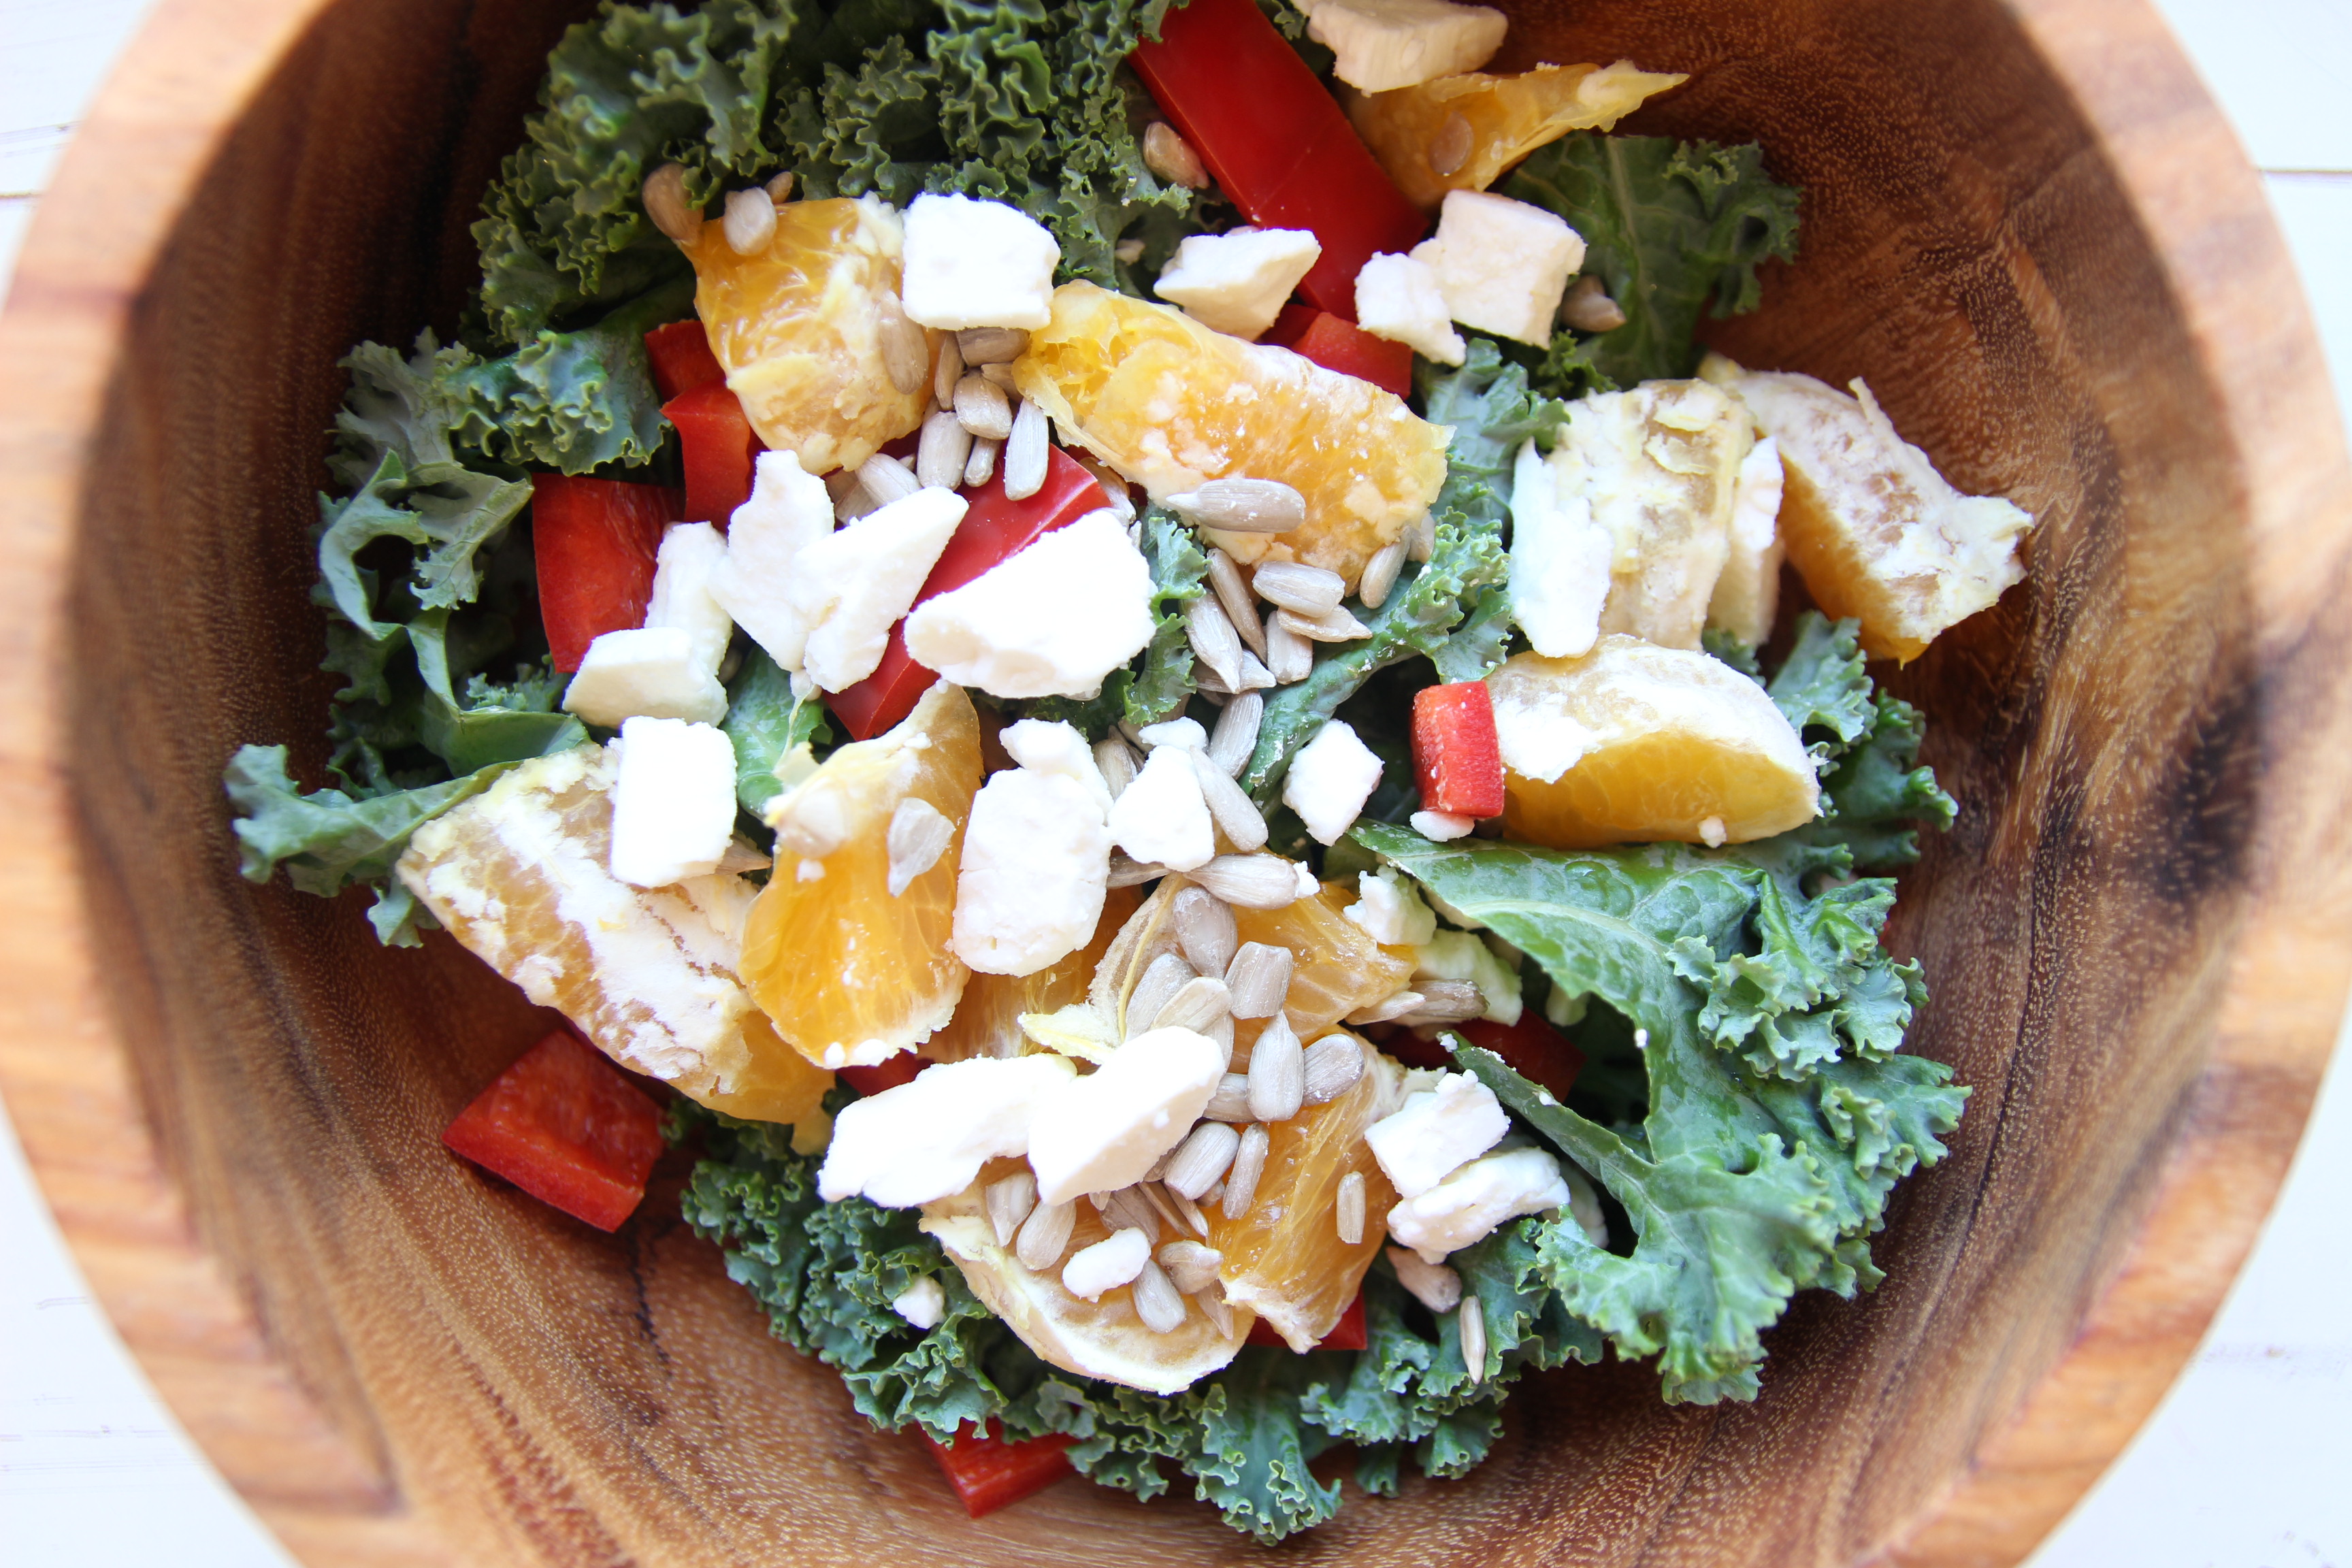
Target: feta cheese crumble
673,801
1236,282
1748,592
1387,44
1468,1204
929,1137
1035,863
973,263
1436,1131
1397,297
691,557
854,584
923,1303
652,672
1440,827
1117,1259
1162,819
1560,561
788,511
1329,780
1102,1131
1391,911
1052,621
1502,265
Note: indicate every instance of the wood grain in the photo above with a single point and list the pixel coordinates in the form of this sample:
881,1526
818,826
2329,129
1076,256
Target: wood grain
2024,224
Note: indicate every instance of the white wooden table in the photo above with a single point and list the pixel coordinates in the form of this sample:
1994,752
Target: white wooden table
2244,1466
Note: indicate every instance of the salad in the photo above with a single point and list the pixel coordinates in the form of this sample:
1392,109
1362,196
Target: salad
1133,649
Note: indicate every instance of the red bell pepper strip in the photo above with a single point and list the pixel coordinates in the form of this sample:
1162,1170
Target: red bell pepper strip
1347,1334
988,1471
1278,142
993,529
595,540
718,445
566,1126
886,1074
681,358
1342,345
1531,1048
1454,750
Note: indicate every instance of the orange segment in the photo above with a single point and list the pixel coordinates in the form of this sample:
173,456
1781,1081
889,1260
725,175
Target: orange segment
1170,404
1634,743
1336,966
1413,131
1283,1260
519,877
798,328
849,974
987,1022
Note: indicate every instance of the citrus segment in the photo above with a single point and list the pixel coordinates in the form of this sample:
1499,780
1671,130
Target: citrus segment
799,326
1413,133
1336,966
520,876
1284,1260
987,1022
849,973
1633,743
1171,404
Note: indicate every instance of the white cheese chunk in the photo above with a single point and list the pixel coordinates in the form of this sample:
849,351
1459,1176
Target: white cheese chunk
1184,734
1116,1261
1440,827
1237,282
1387,44
1050,622
1502,265
652,672
1468,1204
1102,1131
788,511
928,1138
687,565
1329,780
1436,1131
1537,739
1161,818
923,1303
1460,955
1391,911
1560,561
977,264
1435,1286
1747,594
1397,297
854,584
673,802
1060,749
1036,862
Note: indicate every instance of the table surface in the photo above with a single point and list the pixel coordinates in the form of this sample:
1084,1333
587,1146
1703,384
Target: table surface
2241,1466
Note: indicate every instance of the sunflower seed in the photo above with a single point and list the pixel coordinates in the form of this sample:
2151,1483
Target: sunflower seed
749,223
1588,308
1190,1265
1420,538
1211,685
1214,640
886,479
1333,626
1277,1072
1214,1307
1255,676
1113,485
1249,1164
1220,1030
980,466
982,407
1198,1004
1243,506
1450,148
1334,1063
947,372
1010,1201
779,187
945,447
1167,154
1189,1211
1288,656
1381,574
1157,1301
1472,1321
1024,453
1237,814
1251,882
992,345
1434,1285
1445,1002
1309,590
1128,1208
1160,983
1163,1203
1235,736
1205,929
1117,762
1201,1159
1231,1102
1259,979
665,204
1349,1211
1232,592
1043,1236
1128,873
919,836
1395,1004
906,347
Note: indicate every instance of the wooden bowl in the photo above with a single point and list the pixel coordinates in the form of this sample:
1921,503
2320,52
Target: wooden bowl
2024,224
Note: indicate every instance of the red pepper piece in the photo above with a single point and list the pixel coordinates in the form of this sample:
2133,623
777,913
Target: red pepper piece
888,1074
1342,345
995,529
1347,1334
1415,1052
595,542
988,1471
1276,141
566,1126
1531,1048
718,445
682,358
1454,750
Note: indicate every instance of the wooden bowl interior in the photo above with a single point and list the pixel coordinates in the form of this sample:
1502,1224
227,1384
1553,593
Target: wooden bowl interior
545,1394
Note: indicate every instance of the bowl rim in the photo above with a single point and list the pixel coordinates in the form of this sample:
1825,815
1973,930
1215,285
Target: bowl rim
190,75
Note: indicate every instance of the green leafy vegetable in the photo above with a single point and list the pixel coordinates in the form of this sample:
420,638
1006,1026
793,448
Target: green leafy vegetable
1162,686
571,401
1672,228
1492,413
1867,742
765,720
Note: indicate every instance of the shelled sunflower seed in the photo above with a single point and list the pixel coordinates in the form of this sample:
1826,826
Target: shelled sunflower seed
886,479
1197,1006
1444,1002
1127,1208
1237,816
1259,979
779,187
1241,1181
1288,656
1277,1072
990,345
1192,1267
1230,1103
906,347
1347,1211
1214,640
980,467
1235,736
751,221
941,454
1043,1236
1251,882
1232,592
1157,1302
1202,1159
1471,1322
983,408
1242,506
1205,929
667,206
1010,1200
1335,625
1128,873
1292,585
1117,762
1166,975
1333,1064
1025,452
947,372
1381,574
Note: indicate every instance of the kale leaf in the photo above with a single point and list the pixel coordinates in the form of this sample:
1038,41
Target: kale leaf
1866,743
765,720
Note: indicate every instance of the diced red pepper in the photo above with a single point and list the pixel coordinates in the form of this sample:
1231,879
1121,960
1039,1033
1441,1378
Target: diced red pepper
1454,750
566,1126
993,529
594,540
1338,344
1277,141
682,358
889,1073
1415,1051
1531,1048
719,446
988,1471
1347,1334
